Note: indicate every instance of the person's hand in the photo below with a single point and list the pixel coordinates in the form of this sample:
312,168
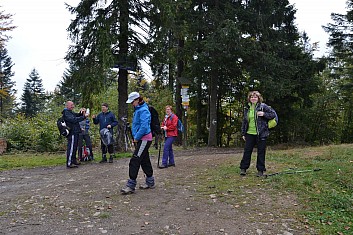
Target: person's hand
260,113
164,128
109,126
244,138
86,114
93,116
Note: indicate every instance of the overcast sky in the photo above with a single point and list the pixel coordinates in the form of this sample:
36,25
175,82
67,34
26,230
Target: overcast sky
40,39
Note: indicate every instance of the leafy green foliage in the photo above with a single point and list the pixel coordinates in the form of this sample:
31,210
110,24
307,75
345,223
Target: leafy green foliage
36,134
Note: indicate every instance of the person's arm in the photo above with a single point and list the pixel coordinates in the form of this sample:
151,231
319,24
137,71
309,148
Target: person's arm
96,119
172,122
144,125
114,122
72,118
269,113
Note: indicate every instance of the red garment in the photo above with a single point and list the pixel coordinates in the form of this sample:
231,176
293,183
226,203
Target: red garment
171,122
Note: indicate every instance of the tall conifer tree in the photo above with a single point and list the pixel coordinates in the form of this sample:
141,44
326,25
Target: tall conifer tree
33,97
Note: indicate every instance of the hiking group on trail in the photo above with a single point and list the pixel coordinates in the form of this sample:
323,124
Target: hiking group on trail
258,118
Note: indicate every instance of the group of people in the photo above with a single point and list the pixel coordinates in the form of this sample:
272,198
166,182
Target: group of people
254,132
79,125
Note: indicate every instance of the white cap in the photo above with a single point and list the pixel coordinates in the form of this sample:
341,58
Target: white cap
132,96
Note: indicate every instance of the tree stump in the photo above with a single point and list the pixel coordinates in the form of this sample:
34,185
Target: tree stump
3,145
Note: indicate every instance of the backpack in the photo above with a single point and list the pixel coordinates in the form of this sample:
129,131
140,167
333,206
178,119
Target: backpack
64,130
155,124
273,122
106,136
180,125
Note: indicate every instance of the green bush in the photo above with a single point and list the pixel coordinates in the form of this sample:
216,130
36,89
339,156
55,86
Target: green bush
37,134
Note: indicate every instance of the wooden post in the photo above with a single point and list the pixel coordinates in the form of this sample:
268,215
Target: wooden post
3,145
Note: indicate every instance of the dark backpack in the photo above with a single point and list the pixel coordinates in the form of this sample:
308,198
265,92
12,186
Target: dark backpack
64,130
155,124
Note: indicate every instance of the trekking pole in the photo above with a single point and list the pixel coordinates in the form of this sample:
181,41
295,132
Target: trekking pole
293,172
159,151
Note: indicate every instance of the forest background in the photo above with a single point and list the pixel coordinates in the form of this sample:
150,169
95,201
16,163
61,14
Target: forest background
221,49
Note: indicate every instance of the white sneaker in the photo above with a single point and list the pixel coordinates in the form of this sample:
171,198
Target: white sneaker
146,186
127,190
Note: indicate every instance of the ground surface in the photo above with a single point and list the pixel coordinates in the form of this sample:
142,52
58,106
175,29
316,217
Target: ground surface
86,200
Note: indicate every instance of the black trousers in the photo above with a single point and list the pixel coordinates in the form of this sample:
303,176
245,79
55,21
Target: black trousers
109,148
250,142
141,157
72,142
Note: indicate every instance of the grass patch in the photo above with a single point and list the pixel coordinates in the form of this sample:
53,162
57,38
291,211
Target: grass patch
326,196
31,160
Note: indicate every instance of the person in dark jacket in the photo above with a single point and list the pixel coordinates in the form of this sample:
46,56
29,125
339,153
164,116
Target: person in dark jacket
142,135
255,131
72,120
84,136
106,119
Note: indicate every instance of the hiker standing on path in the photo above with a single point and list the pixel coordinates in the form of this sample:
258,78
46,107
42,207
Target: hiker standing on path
170,128
84,136
255,131
142,135
72,120
106,119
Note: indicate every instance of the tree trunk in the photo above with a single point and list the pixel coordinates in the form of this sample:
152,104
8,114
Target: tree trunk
212,135
123,53
180,69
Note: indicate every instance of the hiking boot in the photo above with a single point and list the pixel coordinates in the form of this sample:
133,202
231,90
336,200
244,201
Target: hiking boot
242,172
72,166
127,190
171,164
260,173
111,159
104,159
146,186
162,166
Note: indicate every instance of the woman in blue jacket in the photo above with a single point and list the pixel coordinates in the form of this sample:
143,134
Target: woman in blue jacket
255,131
142,135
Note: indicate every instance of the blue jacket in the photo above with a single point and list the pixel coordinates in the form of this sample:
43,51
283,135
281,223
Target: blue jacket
105,119
141,121
260,122
72,120
85,126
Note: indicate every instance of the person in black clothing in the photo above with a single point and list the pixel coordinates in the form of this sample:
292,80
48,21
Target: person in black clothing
255,131
72,120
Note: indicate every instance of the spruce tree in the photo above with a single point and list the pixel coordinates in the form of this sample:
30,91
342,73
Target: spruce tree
33,97
7,91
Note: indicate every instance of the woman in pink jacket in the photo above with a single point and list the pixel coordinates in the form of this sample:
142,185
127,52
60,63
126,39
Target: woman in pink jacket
169,126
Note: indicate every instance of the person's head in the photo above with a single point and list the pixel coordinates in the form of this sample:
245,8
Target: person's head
105,107
168,109
255,97
70,105
134,98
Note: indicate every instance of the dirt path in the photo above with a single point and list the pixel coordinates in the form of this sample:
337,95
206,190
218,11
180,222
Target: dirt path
86,200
